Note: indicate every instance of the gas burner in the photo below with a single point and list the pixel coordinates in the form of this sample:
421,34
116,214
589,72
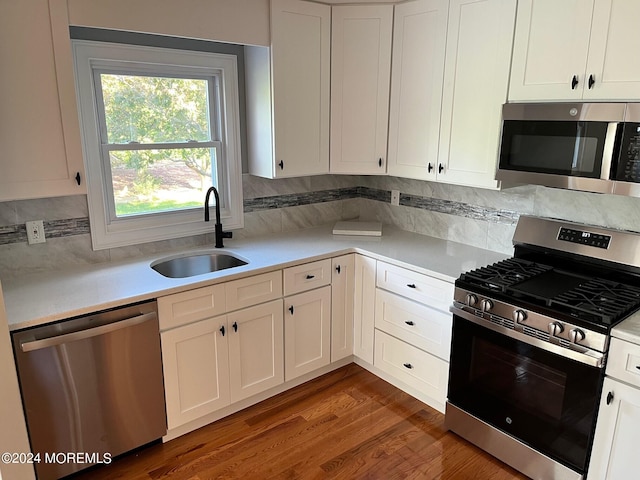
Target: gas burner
501,275
608,300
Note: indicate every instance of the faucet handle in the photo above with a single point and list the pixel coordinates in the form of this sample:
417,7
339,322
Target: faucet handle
227,234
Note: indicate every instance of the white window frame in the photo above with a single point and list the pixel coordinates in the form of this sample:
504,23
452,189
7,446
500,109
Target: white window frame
107,231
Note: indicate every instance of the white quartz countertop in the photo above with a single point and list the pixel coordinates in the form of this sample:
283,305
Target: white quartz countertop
629,329
37,299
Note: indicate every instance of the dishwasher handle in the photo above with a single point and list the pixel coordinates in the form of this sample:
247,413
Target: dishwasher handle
88,333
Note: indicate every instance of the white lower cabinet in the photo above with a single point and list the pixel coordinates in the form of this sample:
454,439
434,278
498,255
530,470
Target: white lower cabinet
617,436
413,332
416,368
195,360
342,303
256,361
363,307
307,332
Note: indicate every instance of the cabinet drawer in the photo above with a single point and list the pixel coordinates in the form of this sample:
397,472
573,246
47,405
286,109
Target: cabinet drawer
307,276
193,305
624,361
253,290
421,326
416,286
418,369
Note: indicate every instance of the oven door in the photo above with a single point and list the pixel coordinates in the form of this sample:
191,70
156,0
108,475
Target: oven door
543,399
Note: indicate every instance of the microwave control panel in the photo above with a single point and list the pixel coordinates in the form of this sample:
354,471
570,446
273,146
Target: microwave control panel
629,164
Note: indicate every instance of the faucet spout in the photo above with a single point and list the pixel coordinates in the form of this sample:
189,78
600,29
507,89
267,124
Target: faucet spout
219,234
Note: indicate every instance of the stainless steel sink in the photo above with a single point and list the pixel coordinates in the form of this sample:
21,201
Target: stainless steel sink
196,264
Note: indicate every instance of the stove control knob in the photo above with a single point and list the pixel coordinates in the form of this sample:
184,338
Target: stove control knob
519,316
471,299
576,335
555,328
486,305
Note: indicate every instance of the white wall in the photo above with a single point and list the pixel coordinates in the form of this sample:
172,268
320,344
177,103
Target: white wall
232,21
13,434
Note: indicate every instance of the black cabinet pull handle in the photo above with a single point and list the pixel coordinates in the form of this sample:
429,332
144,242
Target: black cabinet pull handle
410,323
78,178
338,269
440,168
592,81
411,285
408,365
574,82
222,330
291,309
380,162
235,326
429,168
281,164
638,367
609,398
309,277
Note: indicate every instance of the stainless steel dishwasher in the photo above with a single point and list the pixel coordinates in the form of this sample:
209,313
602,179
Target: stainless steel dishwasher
92,387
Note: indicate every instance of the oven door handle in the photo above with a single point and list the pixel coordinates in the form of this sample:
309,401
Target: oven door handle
592,358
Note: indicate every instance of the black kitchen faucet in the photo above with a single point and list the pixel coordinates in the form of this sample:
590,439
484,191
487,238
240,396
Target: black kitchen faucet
219,234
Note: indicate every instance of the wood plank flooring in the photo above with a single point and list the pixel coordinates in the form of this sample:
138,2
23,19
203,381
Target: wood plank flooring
347,424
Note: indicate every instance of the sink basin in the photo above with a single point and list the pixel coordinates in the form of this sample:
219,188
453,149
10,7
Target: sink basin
196,264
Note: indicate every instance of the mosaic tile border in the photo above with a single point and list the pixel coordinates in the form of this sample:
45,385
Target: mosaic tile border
79,226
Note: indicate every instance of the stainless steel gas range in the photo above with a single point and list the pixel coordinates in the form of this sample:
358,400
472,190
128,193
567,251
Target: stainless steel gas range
530,341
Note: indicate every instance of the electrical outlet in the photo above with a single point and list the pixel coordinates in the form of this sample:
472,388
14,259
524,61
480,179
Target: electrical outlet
395,197
35,232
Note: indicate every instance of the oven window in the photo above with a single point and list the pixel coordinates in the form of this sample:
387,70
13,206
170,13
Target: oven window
535,387
547,401
561,148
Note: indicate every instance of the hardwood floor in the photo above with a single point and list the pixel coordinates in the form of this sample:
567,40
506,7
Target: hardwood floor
347,424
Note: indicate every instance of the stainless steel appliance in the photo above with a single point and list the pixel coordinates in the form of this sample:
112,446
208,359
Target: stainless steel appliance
92,387
581,146
530,341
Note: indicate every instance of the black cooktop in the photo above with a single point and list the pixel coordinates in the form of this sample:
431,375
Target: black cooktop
592,299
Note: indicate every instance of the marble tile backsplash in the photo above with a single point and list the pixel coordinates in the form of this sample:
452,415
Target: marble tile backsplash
479,217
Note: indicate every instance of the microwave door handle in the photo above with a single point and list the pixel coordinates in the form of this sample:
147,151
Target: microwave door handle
611,150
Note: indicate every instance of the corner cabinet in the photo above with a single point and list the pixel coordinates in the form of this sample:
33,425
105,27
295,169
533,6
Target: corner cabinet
575,49
40,133
450,74
614,455
288,93
360,75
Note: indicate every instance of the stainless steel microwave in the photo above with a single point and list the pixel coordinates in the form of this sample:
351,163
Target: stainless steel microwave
593,147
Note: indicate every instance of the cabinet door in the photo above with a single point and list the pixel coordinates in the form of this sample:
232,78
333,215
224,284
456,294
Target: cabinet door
342,303
307,332
363,307
255,349
611,63
300,48
196,371
419,35
476,79
550,47
40,134
615,446
360,76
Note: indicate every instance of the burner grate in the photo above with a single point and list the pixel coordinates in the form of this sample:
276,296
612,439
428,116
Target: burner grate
606,299
501,275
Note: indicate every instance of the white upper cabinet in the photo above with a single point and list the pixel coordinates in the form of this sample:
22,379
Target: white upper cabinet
39,132
419,36
360,75
575,49
449,79
288,93
476,80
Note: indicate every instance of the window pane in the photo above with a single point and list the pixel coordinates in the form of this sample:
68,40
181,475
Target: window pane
153,181
155,109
